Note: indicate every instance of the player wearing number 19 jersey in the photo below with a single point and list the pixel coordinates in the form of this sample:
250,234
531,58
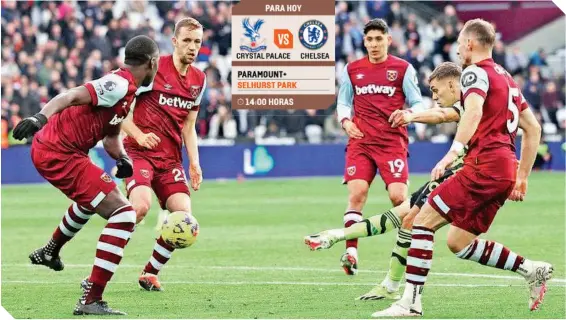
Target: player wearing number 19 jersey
493,108
444,84
371,89
163,119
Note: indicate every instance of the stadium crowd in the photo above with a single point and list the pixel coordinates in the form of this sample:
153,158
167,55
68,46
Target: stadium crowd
48,47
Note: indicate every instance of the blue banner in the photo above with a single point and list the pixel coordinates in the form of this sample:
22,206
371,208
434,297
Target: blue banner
251,161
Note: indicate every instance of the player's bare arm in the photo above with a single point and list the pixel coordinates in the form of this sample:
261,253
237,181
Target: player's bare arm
529,144
473,111
29,126
191,143
402,118
147,140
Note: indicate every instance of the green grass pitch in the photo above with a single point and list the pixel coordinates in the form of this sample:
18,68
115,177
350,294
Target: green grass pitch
250,260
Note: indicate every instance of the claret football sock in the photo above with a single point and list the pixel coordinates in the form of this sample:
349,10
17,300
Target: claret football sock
351,217
110,250
161,254
73,221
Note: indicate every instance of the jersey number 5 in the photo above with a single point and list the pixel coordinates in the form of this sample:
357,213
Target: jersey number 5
513,123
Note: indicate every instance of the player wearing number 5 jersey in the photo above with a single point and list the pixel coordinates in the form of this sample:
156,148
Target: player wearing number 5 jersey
493,107
371,89
163,119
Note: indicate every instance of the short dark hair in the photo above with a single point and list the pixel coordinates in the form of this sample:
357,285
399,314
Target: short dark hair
483,30
446,70
376,24
140,50
189,22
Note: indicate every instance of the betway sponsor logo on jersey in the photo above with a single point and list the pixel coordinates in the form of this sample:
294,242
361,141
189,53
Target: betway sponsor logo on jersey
176,102
375,89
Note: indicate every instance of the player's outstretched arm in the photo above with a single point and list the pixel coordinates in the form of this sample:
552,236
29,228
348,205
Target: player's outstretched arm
191,143
115,149
73,97
29,126
529,145
402,118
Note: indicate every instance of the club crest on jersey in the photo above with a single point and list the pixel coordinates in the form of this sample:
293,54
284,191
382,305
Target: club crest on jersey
194,91
144,173
392,75
106,178
351,170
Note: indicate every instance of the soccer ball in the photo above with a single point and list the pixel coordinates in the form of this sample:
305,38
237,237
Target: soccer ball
180,230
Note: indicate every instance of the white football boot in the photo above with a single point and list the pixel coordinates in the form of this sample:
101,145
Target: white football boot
323,240
401,308
540,273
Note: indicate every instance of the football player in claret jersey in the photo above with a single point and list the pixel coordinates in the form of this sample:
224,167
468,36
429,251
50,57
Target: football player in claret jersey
163,119
493,107
373,87
67,128
445,85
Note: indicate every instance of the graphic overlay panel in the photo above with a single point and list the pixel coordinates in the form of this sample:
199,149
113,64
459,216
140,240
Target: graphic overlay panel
283,54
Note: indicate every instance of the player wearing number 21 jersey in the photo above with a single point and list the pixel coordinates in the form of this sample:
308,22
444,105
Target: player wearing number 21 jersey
469,201
371,89
164,117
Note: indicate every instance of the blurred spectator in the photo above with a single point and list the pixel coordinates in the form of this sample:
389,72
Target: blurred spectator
499,54
450,17
538,58
533,91
222,124
550,102
394,15
516,61
543,159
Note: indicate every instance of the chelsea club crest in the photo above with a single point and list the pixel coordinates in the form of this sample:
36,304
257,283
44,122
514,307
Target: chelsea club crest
313,34
252,41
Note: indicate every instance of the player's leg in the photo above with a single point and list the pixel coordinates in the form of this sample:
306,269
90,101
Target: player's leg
358,192
419,258
452,198
397,192
109,251
373,226
173,193
96,192
394,172
359,173
55,167
462,240
138,187
73,221
389,287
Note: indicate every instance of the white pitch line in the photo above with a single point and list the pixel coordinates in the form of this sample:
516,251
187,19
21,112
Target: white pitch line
293,283
250,268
